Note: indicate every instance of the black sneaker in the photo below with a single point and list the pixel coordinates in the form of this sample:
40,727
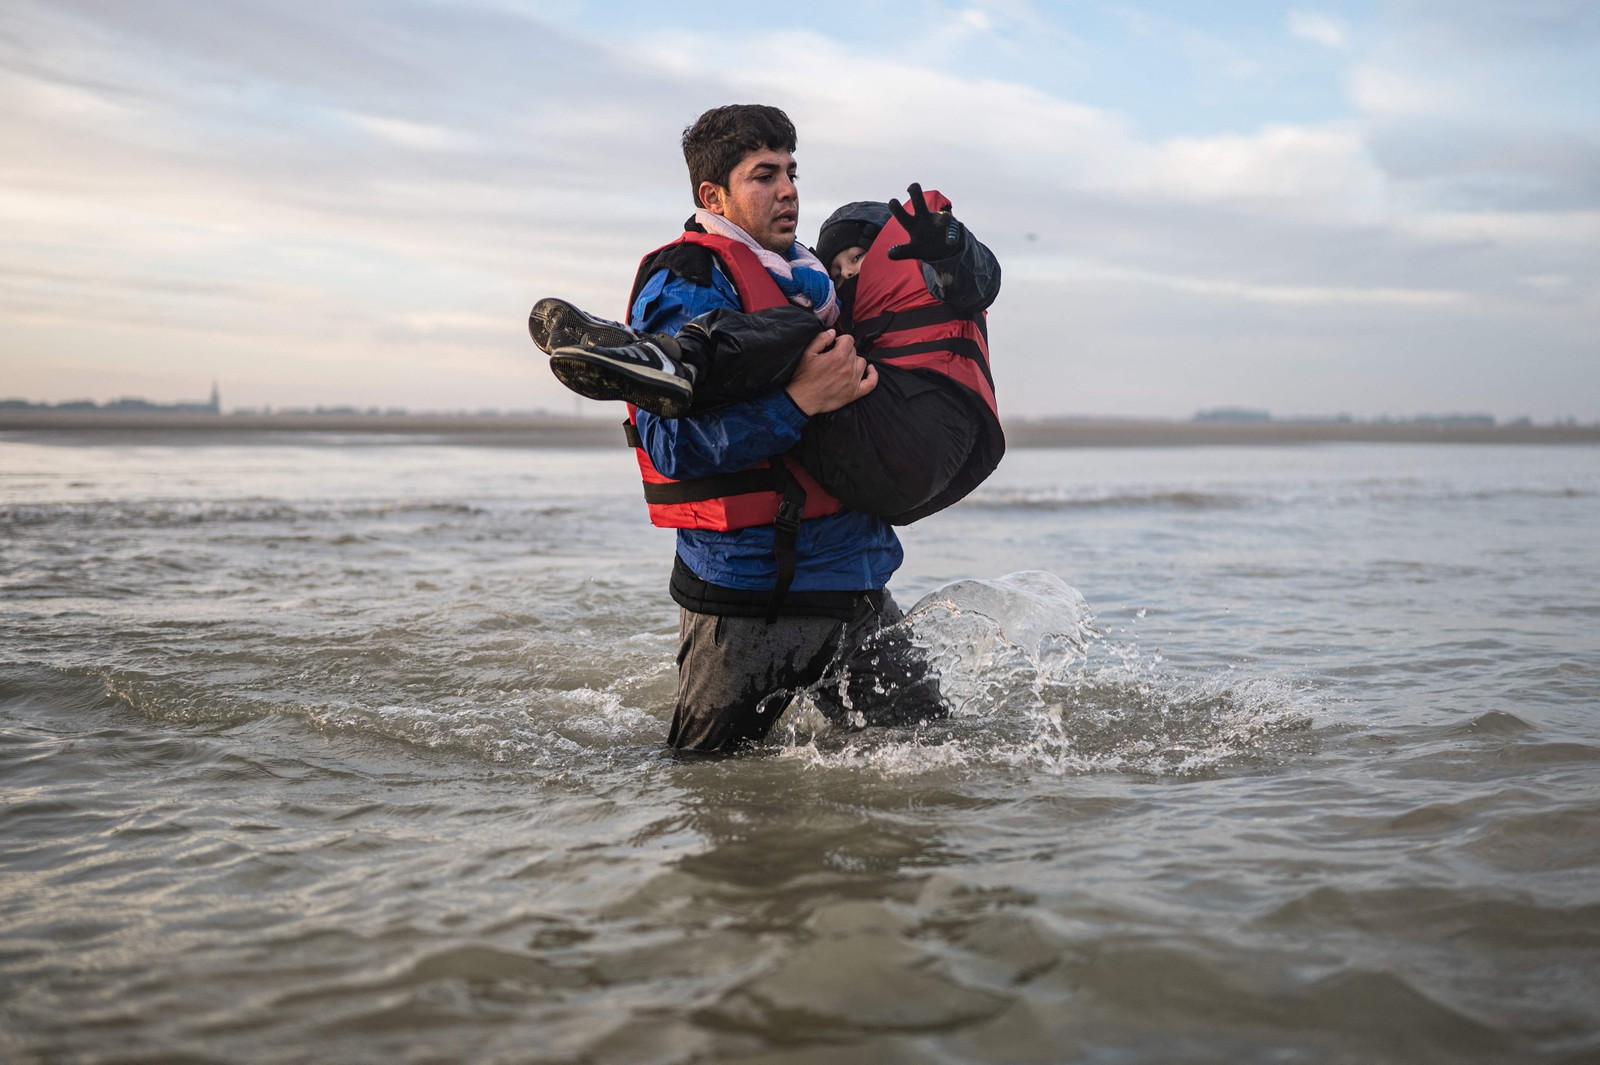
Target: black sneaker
556,324
646,373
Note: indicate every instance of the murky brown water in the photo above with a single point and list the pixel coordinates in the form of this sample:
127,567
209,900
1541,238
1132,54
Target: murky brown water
350,751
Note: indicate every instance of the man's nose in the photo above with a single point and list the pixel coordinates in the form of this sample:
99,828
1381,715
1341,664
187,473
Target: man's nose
787,189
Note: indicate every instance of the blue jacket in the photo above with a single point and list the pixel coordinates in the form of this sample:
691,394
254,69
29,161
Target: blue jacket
847,551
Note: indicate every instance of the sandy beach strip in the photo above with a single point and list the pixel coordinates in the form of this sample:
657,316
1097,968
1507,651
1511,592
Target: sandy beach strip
556,431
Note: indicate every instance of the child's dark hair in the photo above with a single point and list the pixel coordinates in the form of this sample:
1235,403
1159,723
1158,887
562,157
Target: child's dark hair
723,136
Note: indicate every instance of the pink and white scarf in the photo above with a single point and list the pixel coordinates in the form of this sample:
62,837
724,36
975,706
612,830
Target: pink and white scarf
777,265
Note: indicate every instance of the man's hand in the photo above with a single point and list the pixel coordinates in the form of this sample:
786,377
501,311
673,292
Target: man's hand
931,236
830,375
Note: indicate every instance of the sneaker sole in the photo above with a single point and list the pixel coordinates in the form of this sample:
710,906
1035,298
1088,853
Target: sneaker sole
663,394
556,324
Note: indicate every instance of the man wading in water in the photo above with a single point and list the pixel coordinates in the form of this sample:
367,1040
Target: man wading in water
779,585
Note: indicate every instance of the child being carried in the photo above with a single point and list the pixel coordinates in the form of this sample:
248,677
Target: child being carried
914,287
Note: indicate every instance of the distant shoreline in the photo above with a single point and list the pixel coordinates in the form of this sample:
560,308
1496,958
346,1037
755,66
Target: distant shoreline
557,431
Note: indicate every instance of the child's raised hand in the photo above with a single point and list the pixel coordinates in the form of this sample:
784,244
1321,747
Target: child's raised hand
931,235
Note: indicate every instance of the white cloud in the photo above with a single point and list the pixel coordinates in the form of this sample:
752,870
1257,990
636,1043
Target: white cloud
1314,171
1541,231
1318,28
1221,288
455,322
1312,296
59,101
420,136
1393,90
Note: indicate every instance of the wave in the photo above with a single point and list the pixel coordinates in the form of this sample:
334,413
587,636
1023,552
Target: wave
1056,498
1031,682
146,514
535,692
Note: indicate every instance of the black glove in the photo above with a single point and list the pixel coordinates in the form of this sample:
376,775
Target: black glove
932,236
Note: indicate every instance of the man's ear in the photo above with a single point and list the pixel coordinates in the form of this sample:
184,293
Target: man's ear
713,197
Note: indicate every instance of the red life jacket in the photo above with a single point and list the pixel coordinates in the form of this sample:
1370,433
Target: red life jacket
750,496
899,323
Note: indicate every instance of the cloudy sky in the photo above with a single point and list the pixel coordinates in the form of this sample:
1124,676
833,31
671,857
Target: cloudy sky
1363,206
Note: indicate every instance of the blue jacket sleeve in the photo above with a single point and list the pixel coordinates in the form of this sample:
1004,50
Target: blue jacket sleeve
724,440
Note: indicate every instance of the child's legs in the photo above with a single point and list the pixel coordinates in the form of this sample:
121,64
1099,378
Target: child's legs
739,355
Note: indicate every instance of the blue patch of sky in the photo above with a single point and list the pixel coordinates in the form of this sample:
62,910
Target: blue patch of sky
1182,69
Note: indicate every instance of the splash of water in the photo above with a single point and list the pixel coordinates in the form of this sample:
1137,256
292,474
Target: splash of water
1033,683
992,637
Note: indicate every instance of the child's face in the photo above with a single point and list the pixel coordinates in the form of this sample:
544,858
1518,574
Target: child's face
847,263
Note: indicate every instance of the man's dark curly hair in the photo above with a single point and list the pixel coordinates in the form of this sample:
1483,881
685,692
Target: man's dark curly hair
723,136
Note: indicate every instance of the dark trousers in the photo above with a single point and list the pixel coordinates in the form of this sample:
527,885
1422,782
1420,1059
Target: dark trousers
736,676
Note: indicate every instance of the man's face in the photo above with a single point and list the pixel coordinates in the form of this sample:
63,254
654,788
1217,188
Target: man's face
761,198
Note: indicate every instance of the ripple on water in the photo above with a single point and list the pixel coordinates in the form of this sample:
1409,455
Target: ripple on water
1441,914
1493,723
1559,837
855,982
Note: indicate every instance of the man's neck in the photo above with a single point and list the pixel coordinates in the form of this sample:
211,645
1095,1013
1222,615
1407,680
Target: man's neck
728,227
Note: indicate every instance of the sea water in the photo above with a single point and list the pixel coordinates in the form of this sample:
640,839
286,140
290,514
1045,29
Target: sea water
348,748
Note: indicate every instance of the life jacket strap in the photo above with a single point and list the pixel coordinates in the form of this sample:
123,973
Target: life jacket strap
963,346
785,533
716,486
713,486
911,318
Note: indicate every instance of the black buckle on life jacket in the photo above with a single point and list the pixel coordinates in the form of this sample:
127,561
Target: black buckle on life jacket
788,519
